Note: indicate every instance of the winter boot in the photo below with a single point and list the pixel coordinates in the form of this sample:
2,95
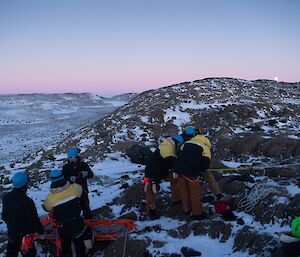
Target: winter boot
153,214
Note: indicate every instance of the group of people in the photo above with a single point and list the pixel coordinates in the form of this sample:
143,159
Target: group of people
182,159
67,200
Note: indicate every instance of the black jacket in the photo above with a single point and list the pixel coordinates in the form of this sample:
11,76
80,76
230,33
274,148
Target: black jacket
66,206
190,161
20,215
158,167
74,169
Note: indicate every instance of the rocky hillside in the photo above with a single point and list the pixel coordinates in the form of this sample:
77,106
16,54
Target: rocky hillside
250,123
243,119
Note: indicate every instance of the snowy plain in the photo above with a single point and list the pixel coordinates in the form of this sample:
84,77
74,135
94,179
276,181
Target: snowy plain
31,122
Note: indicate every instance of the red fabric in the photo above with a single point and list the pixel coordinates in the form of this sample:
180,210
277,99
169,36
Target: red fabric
27,244
221,206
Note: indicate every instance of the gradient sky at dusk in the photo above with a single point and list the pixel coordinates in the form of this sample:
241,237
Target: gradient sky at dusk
111,47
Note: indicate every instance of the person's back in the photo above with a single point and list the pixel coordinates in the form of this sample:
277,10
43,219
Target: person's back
19,213
159,168
194,157
64,201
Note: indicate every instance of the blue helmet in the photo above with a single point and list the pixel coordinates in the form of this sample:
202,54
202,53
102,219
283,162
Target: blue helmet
20,179
73,152
190,131
56,175
178,138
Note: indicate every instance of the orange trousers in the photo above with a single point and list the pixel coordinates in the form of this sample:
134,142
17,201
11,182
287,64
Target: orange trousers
211,181
191,196
175,193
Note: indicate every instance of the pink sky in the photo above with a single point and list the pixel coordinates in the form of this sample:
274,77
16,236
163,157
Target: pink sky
112,47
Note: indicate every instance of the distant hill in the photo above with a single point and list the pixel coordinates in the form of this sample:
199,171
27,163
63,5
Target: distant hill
263,115
29,122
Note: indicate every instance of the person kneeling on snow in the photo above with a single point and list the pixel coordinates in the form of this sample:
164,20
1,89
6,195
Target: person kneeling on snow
20,215
64,201
158,168
78,171
192,162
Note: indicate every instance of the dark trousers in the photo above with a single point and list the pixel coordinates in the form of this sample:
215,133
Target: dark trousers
13,249
87,213
66,246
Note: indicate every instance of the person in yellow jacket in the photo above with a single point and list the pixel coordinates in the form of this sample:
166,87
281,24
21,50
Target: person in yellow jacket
64,201
159,168
192,162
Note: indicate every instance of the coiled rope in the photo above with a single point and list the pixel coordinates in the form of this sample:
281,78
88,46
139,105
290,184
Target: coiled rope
260,190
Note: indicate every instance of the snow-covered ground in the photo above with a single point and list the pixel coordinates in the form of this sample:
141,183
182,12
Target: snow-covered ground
105,187
31,122
227,110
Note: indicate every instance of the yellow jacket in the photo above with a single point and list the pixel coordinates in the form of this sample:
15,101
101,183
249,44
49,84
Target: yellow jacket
205,143
61,195
167,148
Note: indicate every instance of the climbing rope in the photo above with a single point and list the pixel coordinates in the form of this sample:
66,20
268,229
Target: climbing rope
255,168
261,189
258,193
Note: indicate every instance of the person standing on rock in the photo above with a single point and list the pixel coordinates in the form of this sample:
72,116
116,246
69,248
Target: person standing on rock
64,200
158,168
20,215
78,171
192,162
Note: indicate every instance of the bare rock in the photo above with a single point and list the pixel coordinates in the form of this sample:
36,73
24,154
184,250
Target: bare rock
131,215
103,212
158,244
215,229
182,231
132,195
247,239
235,187
134,248
189,252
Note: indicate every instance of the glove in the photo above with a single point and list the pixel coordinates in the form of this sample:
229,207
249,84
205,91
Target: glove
73,179
84,174
42,236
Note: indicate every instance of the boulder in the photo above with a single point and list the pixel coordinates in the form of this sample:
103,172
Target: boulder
189,252
182,231
133,248
234,187
132,195
215,229
131,215
247,239
139,154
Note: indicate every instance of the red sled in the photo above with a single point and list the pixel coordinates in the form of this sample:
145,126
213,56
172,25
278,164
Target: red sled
103,229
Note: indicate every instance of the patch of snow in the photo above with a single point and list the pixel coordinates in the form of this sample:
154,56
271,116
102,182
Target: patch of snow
179,118
145,119
293,136
231,164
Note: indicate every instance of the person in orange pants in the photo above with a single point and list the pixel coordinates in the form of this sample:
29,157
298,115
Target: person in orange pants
188,134
158,168
192,162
